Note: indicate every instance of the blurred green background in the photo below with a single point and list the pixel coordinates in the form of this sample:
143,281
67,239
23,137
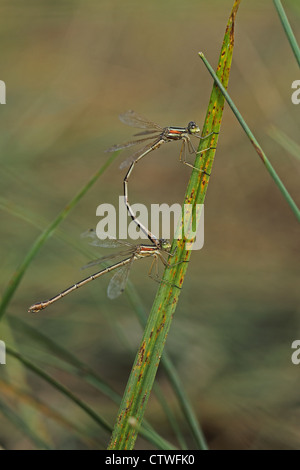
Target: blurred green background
70,68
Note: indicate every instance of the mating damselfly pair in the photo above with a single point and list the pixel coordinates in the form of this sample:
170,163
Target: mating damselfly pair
157,136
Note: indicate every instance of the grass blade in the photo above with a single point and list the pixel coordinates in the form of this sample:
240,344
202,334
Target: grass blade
151,348
288,30
253,140
285,142
148,435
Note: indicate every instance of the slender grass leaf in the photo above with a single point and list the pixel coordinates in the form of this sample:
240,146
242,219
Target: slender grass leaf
288,30
254,142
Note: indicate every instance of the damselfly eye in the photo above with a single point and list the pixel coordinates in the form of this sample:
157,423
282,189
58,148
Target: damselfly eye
165,244
193,128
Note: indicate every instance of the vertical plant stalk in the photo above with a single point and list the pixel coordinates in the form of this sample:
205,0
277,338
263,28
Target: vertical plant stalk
288,30
148,357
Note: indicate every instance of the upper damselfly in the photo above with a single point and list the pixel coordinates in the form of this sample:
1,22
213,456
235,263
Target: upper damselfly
158,136
118,282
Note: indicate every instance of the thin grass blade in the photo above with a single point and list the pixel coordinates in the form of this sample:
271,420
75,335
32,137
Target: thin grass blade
288,30
285,142
253,140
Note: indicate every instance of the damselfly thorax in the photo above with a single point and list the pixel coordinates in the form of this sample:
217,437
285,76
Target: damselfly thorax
179,133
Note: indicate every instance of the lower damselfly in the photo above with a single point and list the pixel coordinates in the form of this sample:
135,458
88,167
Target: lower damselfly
118,282
158,136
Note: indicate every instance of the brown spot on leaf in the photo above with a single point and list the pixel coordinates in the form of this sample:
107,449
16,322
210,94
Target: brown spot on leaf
259,151
144,398
141,354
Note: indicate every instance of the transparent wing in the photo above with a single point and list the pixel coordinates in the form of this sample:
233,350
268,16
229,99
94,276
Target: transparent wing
104,242
109,257
146,133
118,282
133,119
138,153
125,145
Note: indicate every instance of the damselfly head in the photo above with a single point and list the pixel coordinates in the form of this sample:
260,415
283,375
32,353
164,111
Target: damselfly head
165,244
193,128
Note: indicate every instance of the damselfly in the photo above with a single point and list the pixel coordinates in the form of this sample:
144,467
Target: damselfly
118,282
158,136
